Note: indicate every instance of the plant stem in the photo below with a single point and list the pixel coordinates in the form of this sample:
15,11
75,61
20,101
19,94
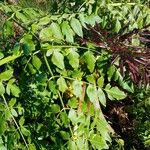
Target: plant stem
15,121
60,97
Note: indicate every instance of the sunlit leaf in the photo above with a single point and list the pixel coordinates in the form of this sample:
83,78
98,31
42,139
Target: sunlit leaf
56,31
72,115
58,59
98,142
62,84
76,26
90,60
12,102
46,34
100,81
6,75
2,89
101,96
92,93
115,92
67,31
21,121
36,62
77,88
117,26
73,59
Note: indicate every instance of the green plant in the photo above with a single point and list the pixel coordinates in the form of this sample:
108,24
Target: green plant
54,82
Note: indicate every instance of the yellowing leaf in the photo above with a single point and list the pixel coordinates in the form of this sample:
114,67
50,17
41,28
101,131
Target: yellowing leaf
62,84
46,34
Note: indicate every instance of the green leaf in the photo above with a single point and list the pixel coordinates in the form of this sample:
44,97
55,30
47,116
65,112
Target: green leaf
102,127
46,34
52,86
73,102
115,92
73,59
93,19
91,78
100,81
1,55
12,102
64,118
44,21
98,142
72,145
92,93
101,96
77,88
28,44
2,125
36,62
72,115
8,28
55,108
2,147
21,121
82,143
55,28
62,84
67,31
90,60
14,113
4,76
76,26
21,17
15,90
117,26
65,135
82,20
58,60
31,68
2,89
25,131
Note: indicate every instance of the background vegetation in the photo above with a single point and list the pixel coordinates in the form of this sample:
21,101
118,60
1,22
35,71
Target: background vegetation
74,74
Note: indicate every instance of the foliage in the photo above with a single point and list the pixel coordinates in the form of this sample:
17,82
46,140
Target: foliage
59,69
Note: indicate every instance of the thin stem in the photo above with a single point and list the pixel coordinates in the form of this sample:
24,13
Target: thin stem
60,97
15,121
48,66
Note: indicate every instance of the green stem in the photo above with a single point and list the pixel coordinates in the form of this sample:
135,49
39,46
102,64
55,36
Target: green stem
15,121
60,97
48,66
8,59
75,46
